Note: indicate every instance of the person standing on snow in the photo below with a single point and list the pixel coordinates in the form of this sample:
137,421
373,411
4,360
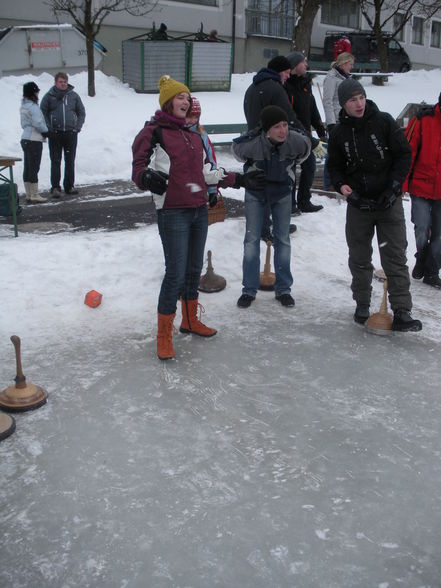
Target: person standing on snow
424,185
65,114
169,160
267,89
299,90
369,158
274,149
340,71
34,133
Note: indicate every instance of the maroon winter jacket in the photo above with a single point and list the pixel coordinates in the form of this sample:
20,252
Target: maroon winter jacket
424,136
180,152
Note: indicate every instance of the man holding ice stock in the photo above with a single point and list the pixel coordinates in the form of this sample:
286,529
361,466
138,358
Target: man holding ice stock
369,158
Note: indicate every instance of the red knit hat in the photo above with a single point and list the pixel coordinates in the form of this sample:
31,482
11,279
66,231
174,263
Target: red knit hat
195,108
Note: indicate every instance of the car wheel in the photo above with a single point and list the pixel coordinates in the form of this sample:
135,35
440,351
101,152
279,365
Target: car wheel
405,68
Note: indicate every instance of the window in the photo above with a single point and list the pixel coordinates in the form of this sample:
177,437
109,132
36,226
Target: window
398,20
417,30
435,35
272,18
342,13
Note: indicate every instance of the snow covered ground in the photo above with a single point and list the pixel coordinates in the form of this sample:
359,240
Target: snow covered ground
293,449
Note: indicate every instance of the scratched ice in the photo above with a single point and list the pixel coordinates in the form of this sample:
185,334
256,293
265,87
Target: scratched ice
291,450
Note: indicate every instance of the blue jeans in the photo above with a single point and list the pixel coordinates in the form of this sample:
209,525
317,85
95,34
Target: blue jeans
426,217
183,233
254,214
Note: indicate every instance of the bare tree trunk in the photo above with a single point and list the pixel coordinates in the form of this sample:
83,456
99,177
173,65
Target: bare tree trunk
303,29
90,67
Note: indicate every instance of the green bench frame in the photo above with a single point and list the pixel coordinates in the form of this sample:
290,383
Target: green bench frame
224,129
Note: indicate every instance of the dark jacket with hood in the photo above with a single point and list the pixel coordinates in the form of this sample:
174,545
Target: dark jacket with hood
63,110
370,154
267,90
303,103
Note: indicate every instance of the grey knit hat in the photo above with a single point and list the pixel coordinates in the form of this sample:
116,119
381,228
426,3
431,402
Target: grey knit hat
295,58
349,88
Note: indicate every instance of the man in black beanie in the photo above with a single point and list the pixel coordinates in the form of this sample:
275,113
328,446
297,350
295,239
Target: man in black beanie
267,90
369,158
299,89
274,149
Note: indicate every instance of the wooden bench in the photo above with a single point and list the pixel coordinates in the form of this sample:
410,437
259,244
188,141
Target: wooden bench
378,78
220,134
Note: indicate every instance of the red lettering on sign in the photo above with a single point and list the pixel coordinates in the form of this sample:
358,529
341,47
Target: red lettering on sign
45,44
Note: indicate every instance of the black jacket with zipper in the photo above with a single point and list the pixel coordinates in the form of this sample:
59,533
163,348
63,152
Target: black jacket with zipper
370,154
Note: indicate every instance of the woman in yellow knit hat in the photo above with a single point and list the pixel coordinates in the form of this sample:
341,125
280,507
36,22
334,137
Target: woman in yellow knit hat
169,160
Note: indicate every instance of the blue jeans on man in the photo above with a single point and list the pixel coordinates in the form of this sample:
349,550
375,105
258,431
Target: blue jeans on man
254,215
183,233
426,217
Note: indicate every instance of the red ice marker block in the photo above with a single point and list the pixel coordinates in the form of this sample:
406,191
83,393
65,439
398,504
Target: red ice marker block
93,299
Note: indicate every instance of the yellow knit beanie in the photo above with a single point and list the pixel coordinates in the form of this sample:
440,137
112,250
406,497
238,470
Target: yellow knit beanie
169,88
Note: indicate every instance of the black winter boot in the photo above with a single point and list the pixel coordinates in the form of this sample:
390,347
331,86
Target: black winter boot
361,314
404,322
433,281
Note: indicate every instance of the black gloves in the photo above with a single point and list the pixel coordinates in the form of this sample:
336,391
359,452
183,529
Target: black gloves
45,135
253,180
388,197
155,181
212,199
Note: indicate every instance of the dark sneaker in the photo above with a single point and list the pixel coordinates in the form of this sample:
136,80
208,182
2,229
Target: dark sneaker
433,281
310,207
245,301
72,191
286,300
418,270
292,229
404,322
361,314
295,211
56,192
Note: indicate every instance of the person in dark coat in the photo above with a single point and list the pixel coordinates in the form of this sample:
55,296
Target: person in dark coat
64,113
424,185
267,90
369,158
302,101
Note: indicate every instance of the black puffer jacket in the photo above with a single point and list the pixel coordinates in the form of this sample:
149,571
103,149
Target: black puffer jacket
303,103
369,154
267,90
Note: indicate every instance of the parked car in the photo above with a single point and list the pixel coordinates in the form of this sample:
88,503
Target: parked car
364,48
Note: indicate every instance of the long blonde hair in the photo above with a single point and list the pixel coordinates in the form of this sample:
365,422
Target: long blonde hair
342,58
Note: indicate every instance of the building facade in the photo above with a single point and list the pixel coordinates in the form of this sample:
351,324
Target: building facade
259,29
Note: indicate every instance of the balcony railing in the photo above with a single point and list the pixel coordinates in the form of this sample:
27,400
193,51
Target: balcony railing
269,24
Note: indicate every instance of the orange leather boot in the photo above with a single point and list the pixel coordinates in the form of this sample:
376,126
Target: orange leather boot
164,338
190,321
